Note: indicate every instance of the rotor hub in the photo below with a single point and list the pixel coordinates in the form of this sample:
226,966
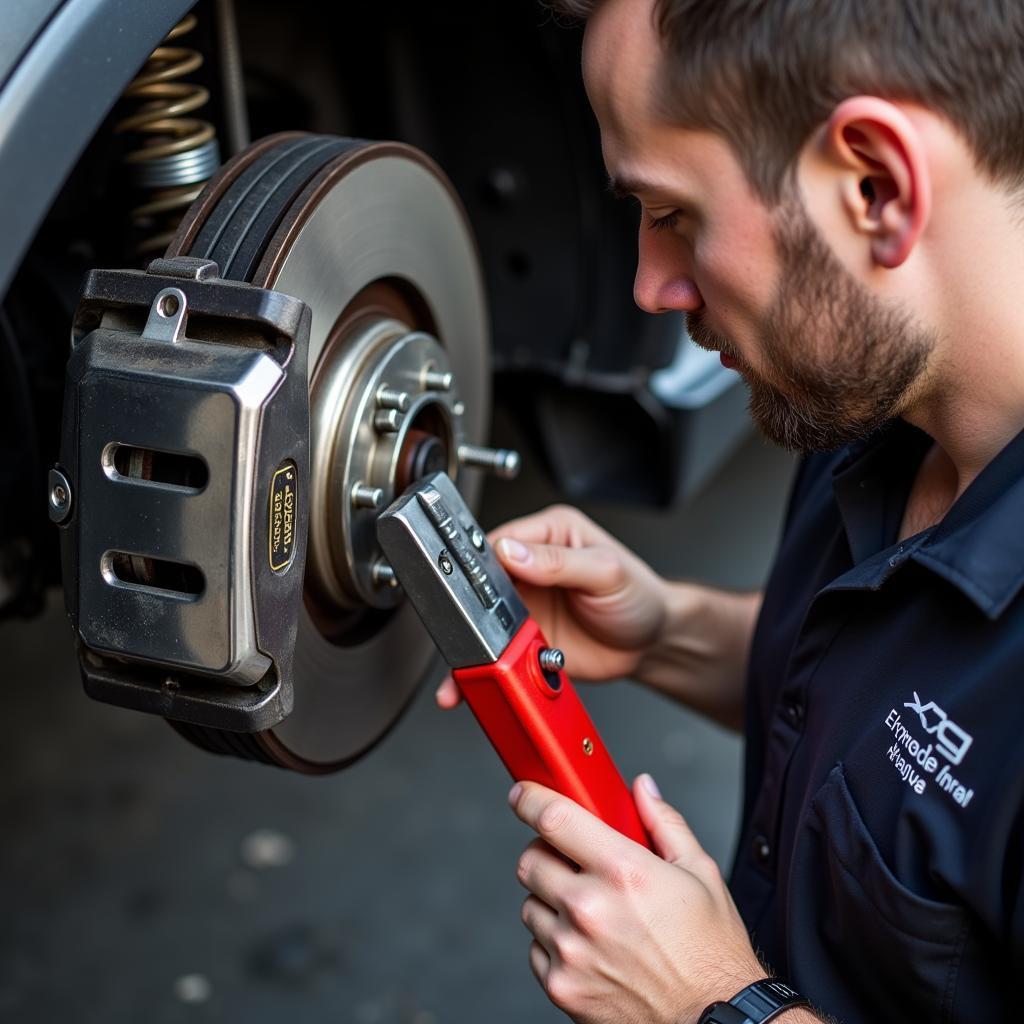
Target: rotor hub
380,418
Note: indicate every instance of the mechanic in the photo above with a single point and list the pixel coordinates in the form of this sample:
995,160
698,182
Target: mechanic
832,192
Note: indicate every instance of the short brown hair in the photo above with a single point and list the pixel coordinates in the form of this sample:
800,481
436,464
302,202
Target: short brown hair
764,74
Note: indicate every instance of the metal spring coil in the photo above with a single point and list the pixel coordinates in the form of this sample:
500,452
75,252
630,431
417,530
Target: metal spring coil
178,154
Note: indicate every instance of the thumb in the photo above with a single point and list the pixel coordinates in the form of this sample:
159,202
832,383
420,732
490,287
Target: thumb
594,570
448,695
673,839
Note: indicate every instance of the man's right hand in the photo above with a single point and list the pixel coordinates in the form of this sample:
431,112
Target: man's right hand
591,596
613,616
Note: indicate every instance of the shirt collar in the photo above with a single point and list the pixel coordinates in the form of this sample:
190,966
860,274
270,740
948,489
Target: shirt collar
978,546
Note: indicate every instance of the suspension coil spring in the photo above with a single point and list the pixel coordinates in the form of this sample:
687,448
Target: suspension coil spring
177,154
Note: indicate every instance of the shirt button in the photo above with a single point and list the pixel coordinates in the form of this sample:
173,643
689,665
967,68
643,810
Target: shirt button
762,848
794,712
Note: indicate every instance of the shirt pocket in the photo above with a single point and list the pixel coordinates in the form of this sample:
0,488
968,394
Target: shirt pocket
883,952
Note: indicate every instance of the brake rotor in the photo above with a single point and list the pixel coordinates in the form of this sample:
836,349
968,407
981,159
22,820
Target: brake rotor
374,239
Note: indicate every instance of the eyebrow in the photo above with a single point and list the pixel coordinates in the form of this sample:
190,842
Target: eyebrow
622,188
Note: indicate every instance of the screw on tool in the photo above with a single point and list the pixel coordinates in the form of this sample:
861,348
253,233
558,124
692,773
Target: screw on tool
551,659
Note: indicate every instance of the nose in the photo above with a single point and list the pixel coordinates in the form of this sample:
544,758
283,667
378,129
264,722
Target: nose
664,274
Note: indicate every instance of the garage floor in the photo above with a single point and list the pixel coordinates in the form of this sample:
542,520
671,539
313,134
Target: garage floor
143,880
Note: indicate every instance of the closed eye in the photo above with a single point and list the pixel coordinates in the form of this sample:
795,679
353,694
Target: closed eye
662,223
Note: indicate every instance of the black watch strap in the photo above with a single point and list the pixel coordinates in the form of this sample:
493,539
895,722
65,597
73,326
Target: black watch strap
756,1004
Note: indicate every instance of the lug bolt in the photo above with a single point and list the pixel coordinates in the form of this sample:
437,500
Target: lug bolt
500,461
551,659
365,496
387,421
389,398
383,575
434,380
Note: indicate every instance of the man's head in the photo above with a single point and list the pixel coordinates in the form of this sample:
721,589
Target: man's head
785,153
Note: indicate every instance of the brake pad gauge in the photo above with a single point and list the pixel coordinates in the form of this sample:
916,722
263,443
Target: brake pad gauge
512,680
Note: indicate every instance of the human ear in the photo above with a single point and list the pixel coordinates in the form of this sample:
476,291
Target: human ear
885,181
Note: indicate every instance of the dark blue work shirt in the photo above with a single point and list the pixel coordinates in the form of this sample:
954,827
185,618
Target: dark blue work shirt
882,852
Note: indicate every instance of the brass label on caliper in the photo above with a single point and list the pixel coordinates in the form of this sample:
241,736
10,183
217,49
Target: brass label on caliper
284,502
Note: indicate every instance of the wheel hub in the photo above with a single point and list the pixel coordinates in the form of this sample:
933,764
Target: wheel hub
379,419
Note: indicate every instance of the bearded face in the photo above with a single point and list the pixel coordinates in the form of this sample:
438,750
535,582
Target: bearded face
838,361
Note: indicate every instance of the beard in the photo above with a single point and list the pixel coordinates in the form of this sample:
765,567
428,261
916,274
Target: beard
840,362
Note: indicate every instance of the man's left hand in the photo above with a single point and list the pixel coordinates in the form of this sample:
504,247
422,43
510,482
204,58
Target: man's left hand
622,934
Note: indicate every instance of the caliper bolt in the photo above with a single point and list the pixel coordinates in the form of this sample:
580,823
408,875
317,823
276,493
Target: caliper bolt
387,421
383,575
551,659
388,398
434,380
500,461
60,496
365,496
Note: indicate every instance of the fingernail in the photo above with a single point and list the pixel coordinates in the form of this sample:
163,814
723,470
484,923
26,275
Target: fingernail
651,786
513,794
513,550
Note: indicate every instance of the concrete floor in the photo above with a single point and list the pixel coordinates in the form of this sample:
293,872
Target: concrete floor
144,880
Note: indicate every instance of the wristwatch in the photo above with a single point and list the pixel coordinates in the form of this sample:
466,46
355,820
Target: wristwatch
756,1004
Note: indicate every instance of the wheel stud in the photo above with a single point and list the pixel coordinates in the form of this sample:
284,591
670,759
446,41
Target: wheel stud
383,575
365,496
387,421
434,380
388,398
500,461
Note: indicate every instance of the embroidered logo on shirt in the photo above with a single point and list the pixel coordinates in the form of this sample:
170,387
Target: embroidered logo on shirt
951,741
916,761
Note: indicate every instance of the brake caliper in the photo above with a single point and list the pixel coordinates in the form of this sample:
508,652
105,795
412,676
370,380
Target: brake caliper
181,492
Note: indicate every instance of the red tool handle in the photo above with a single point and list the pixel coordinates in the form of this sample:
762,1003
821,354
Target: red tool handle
541,731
